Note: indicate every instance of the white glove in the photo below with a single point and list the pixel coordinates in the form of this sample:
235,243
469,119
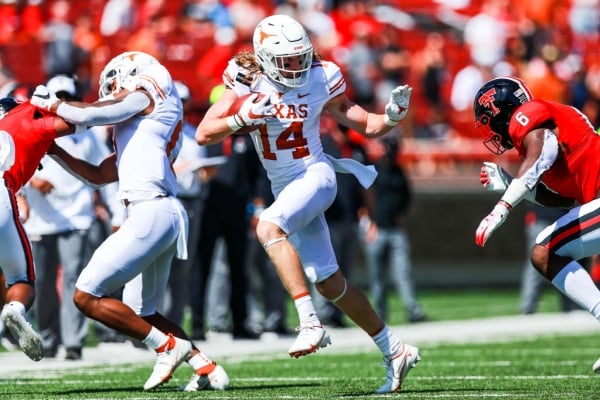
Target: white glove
254,111
490,223
42,98
397,106
494,178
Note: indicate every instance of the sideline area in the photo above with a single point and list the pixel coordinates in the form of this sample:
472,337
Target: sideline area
344,340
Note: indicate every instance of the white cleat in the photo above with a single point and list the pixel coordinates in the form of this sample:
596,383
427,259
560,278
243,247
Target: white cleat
167,361
217,379
29,340
596,367
398,367
310,339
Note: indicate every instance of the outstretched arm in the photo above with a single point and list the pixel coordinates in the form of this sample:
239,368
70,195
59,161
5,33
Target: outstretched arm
124,106
369,124
93,175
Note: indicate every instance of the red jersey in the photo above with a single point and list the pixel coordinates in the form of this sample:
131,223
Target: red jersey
33,132
576,172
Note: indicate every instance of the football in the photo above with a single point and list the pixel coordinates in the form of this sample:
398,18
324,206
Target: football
235,107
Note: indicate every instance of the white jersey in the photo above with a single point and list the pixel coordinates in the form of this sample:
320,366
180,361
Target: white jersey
147,145
291,140
138,256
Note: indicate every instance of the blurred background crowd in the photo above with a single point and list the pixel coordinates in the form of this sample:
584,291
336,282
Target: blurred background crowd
444,48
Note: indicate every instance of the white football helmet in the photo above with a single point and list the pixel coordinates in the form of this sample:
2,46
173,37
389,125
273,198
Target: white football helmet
118,72
284,50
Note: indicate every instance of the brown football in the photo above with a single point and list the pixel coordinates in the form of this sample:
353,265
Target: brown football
235,107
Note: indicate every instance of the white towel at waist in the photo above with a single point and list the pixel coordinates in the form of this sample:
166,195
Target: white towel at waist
365,174
182,238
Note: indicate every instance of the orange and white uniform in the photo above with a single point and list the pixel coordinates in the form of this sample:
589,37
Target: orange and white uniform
289,146
139,254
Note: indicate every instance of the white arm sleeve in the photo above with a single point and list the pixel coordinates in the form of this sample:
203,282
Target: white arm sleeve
107,114
523,187
548,156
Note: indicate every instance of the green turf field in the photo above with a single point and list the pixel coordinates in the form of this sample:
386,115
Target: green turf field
545,368
549,368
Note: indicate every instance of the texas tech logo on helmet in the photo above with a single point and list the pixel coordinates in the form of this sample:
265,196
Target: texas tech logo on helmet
487,100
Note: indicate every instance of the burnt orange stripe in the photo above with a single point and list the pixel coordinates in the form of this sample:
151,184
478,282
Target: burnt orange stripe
337,85
25,245
299,296
574,230
150,79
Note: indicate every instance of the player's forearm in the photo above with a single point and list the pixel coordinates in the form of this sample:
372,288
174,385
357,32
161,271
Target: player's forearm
82,170
104,113
213,130
376,126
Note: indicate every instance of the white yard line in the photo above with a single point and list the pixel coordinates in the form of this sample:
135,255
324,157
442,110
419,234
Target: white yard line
344,341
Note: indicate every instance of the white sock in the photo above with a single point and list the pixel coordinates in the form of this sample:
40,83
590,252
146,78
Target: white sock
155,338
306,309
574,281
388,342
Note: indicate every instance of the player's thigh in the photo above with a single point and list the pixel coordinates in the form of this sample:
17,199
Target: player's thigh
145,235
315,249
576,234
302,200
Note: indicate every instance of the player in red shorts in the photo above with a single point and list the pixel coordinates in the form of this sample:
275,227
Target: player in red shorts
25,135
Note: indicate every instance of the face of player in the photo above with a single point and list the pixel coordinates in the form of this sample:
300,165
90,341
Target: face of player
290,66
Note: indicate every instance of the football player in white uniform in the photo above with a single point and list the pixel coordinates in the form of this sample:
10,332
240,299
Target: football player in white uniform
290,88
138,96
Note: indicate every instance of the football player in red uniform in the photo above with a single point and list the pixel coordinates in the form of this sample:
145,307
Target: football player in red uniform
25,135
560,167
